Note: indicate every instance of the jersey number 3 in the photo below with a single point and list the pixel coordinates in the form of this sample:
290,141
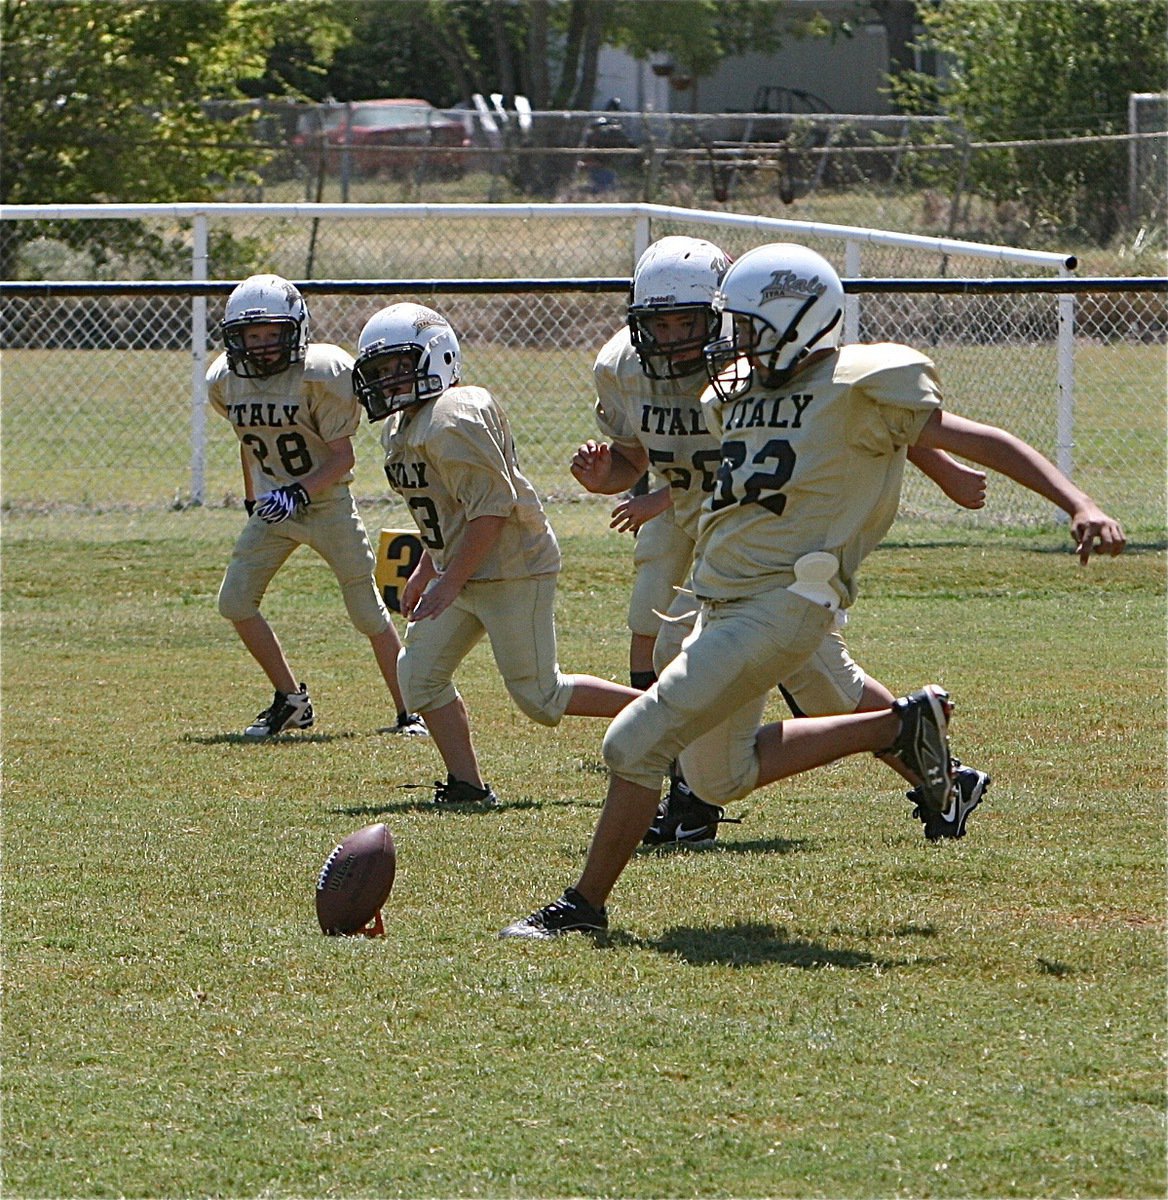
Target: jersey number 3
776,451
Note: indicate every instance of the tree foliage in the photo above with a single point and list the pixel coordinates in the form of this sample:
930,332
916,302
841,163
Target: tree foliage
106,101
1045,69
446,50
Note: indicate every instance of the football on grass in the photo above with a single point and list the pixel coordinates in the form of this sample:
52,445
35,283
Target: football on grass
355,882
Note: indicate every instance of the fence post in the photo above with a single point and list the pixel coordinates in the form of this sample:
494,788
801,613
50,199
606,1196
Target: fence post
851,330
641,237
199,363
1065,431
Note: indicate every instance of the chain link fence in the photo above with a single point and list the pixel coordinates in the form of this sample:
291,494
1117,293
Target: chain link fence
893,171
102,400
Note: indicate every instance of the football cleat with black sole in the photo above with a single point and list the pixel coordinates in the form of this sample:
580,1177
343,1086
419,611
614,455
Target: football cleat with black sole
923,744
408,725
457,791
685,819
288,710
571,913
970,787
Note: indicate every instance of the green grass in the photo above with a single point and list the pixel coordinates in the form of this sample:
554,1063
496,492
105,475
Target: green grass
825,1005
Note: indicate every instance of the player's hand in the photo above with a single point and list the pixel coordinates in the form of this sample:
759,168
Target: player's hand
435,600
591,464
633,511
281,504
966,486
420,576
1096,533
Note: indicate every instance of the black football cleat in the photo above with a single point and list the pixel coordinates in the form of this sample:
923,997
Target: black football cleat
685,819
969,791
457,791
571,913
288,710
408,725
923,744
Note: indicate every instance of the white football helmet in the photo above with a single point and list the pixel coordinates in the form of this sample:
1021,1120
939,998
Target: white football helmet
785,302
264,300
406,353
675,276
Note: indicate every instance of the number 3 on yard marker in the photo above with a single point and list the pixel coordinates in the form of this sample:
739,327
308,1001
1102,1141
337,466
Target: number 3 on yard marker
398,552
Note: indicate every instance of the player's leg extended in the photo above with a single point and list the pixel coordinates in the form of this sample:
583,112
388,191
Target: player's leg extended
520,622
830,682
432,652
734,658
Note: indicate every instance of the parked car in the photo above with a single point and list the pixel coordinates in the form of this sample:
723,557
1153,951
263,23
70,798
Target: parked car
393,136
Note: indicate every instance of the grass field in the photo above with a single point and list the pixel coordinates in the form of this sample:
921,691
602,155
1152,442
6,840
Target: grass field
823,1005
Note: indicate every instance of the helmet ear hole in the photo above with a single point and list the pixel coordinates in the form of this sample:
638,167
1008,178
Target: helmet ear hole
792,298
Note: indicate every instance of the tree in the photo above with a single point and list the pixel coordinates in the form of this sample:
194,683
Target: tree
106,101
698,34
1045,69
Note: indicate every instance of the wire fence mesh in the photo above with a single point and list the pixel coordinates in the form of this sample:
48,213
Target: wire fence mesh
102,408
896,171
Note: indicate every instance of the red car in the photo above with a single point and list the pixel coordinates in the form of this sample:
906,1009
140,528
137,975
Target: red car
393,136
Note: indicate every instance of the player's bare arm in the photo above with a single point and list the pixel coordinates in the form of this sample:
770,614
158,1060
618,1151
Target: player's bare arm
633,511
963,485
606,470
1093,530
478,541
248,489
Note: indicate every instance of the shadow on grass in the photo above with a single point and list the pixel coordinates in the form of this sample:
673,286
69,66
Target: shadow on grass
751,944
775,845
425,803
283,739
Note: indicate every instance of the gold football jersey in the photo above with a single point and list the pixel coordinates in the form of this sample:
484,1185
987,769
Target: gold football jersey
453,459
287,420
665,417
814,465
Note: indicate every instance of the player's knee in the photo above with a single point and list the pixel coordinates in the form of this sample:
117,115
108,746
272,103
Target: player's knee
633,754
421,691
542,704
720,785
365,607
234,606
616,749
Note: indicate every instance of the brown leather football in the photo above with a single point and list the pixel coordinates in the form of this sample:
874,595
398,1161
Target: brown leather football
355,882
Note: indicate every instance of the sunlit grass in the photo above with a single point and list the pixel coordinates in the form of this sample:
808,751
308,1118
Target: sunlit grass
823,1005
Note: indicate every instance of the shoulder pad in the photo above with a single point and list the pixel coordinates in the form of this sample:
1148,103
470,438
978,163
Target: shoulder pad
323,360
616,353
862,363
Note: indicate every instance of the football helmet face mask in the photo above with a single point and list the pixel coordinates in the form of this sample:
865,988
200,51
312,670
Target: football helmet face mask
407,353
784,302
671,315
264,327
